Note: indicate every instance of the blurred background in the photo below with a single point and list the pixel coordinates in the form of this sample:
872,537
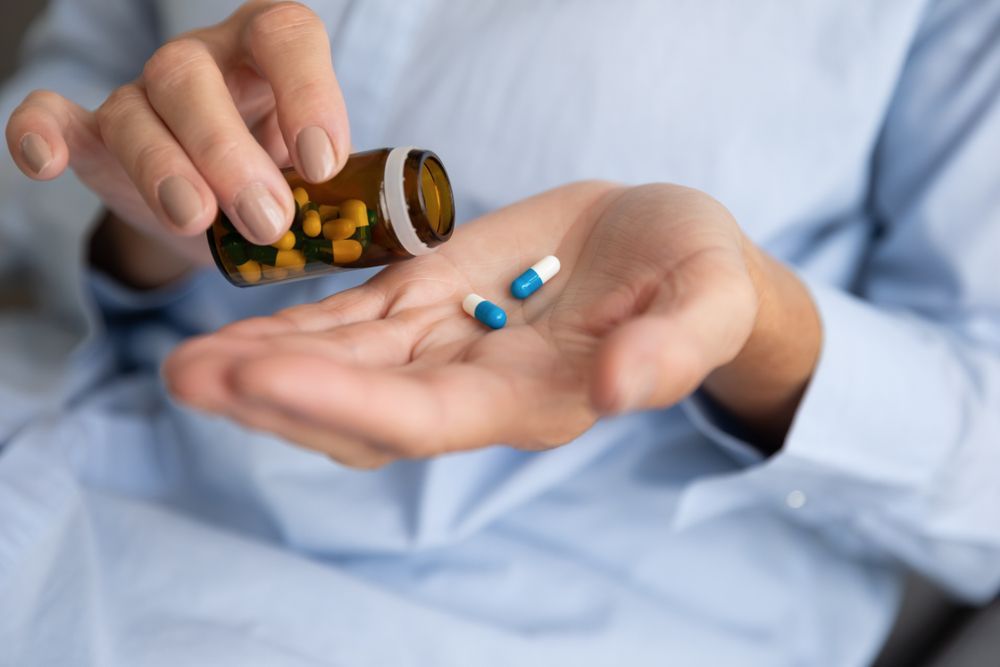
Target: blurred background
16,15
932,630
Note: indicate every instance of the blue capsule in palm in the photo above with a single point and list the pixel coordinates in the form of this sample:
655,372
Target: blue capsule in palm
485,311
531,280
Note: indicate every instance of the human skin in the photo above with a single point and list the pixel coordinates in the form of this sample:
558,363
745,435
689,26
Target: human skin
636,319
660,293
208,124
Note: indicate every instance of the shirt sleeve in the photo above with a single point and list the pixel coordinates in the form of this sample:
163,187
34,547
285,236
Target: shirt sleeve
82,49
894,452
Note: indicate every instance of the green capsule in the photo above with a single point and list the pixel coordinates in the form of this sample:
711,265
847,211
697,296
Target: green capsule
372,218
235,248
363,235
317,250
264,254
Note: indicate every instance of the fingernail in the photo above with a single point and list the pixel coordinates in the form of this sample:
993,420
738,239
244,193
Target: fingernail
180,201
260,212
315,154
36,152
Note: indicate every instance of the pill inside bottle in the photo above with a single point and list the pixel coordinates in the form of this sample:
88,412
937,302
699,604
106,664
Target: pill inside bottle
384,206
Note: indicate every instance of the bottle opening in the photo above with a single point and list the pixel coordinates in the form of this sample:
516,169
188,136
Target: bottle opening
429,201
435,197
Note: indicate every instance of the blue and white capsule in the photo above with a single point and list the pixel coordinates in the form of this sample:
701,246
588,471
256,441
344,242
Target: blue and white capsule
485,311
531,280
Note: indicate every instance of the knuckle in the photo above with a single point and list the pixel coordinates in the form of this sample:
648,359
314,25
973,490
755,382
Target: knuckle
217,151
151,161
175,61
302,88
281,18
122,101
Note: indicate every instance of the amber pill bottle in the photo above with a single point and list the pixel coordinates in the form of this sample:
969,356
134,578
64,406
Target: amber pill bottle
384,206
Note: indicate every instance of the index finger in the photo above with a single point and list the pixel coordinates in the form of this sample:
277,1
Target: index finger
288,44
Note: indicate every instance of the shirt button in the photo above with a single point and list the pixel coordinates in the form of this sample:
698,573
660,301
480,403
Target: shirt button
795,499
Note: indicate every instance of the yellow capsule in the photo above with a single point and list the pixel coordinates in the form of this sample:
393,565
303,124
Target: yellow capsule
286,242
250,271
339,229
346,252
273,273
301,196
311,224
329,212
290,259
355,209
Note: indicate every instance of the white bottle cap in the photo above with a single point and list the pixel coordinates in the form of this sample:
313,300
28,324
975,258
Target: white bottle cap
394,199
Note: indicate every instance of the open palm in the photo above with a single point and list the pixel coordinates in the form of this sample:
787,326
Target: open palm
653,295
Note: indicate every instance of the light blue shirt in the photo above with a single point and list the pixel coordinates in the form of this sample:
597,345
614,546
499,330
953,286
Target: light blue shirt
857,141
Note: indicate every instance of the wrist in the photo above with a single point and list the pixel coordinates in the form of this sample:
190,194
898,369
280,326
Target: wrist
762,386
135,259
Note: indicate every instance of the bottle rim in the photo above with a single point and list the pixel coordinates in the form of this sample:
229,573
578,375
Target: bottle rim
404,199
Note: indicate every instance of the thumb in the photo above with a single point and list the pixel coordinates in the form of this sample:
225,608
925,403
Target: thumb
696,321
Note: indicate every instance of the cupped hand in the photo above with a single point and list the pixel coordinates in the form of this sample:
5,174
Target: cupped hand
655,292
214,115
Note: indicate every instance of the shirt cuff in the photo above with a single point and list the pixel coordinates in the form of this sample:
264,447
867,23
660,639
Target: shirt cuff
880,416
721,429
114,298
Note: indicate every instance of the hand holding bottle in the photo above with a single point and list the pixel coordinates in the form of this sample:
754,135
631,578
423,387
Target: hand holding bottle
213,117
